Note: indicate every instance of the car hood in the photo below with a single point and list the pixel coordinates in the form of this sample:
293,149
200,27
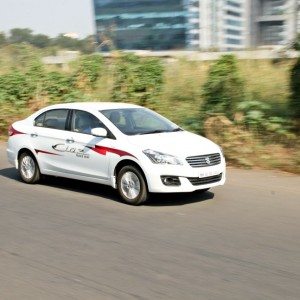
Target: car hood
181,143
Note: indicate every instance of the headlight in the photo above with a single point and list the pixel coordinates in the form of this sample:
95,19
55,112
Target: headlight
161,158
221,149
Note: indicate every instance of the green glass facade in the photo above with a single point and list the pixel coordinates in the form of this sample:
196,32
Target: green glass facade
142,24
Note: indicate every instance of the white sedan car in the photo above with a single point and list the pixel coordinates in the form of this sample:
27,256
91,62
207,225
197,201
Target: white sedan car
128,147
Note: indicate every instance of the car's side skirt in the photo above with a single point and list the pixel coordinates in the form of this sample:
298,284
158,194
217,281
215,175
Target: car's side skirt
78,177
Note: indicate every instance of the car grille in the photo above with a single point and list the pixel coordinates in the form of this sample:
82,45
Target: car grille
201,161
205,180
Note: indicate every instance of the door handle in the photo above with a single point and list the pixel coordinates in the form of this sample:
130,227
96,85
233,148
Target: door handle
34,135
70,141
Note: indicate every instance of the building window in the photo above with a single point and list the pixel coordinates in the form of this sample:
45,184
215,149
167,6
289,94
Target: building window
233,22
233,13
233,32
233,41
234,4
272,33
194,36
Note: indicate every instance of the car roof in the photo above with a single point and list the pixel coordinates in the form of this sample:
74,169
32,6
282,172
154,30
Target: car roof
93,105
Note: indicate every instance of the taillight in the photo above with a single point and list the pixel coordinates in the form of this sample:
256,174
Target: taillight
12,131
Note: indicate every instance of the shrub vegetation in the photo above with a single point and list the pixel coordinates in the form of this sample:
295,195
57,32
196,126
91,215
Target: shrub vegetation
224,88
246,106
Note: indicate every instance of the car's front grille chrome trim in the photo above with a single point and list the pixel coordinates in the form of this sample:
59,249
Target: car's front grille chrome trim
206,160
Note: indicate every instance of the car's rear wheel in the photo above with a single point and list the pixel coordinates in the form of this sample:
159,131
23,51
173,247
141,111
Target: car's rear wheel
28,168
132,185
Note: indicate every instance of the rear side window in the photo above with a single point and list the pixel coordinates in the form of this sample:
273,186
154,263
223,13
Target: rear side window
39,121
55,119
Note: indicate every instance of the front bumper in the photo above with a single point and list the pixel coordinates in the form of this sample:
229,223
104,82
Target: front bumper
185,174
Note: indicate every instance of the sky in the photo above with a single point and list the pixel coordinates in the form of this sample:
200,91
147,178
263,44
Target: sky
50,17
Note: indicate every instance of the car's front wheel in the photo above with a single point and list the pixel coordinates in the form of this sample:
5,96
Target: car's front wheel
132,186
28,168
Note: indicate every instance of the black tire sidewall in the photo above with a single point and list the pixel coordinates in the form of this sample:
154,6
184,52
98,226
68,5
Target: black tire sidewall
36,176
143,195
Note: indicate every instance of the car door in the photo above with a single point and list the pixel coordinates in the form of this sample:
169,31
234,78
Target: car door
50,129
84,157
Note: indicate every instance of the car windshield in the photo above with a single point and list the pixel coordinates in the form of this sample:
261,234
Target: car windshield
134,121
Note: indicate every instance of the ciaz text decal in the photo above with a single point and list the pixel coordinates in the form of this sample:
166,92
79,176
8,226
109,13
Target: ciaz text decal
80,152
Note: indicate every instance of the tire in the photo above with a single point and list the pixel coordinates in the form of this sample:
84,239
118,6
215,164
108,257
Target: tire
132,186
28,168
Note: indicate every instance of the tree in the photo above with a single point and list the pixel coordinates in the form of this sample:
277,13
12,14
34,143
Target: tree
2,39
25,35
40,41
20,35
88,45
224,87
66,42
295,91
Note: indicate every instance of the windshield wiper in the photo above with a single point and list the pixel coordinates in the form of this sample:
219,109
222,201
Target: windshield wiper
155,131
162,130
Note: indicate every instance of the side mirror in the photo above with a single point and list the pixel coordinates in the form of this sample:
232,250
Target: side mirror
101,132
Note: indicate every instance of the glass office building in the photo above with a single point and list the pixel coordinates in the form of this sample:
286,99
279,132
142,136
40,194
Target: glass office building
146,24
195,24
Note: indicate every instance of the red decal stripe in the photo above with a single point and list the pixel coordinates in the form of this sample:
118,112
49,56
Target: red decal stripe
45,152
103,150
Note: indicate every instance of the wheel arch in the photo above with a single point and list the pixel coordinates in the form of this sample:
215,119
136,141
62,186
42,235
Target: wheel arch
129,162
24,150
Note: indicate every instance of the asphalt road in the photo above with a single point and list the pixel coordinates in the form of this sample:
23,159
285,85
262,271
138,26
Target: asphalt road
65,239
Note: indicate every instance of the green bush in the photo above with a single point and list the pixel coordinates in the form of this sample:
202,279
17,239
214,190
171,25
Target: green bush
89,70
257,117
138,80
23,56
254,113
61,88
257,108
16,89
224,87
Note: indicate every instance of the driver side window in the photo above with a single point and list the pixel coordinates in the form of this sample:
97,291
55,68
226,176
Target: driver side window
84,122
